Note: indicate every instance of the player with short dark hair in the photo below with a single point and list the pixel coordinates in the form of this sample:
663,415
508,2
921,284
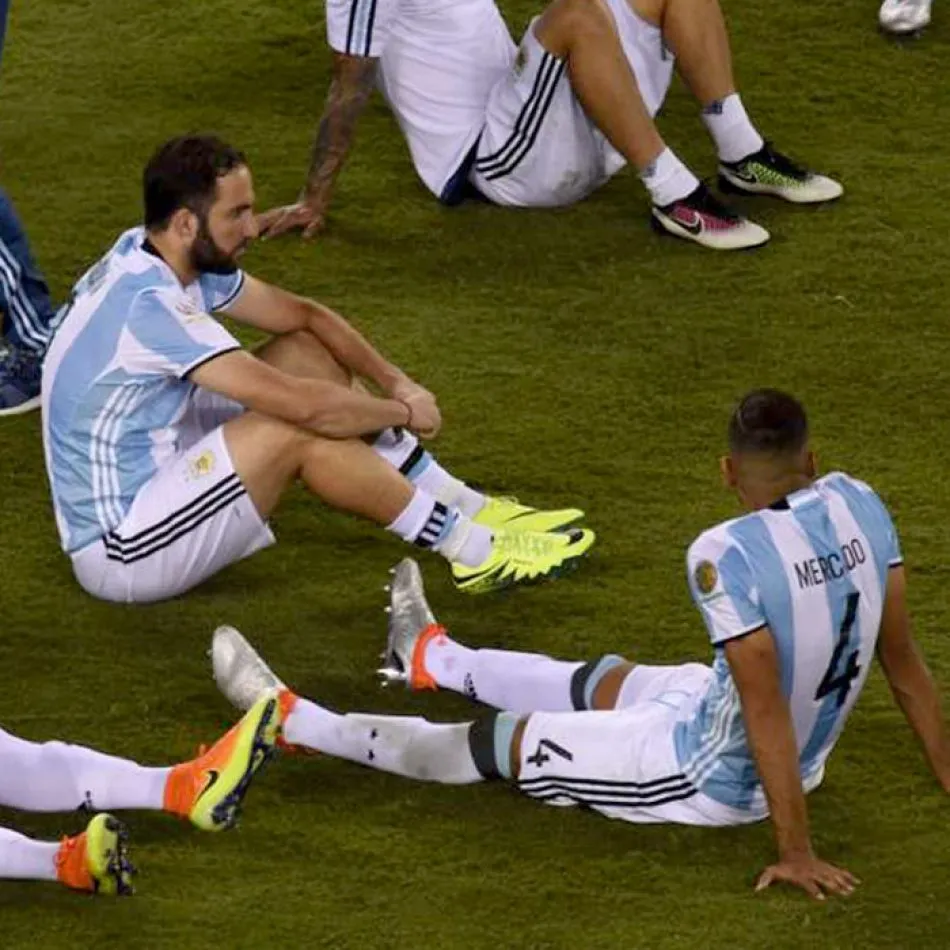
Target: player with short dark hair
168,445
798,595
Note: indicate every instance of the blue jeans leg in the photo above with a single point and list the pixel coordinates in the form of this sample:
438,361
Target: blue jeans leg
24,295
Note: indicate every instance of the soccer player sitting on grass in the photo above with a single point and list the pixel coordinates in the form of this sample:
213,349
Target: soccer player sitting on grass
168,445
547,124
55,776
798,596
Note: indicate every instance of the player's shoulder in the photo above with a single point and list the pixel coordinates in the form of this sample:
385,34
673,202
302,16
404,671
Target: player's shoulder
857,493
714,542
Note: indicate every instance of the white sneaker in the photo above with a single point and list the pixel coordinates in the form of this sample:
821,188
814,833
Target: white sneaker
903,17
240,672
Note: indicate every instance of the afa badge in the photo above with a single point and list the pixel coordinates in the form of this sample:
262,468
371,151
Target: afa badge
201,465
706,577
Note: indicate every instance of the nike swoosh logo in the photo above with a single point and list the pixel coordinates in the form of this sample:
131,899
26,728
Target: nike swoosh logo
213,776
748,177
694,227
489,573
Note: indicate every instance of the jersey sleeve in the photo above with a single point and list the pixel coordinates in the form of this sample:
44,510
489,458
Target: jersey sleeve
219,291
723,588
359,27
167,336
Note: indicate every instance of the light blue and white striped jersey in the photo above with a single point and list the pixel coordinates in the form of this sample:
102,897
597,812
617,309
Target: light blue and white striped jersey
814,569
115,381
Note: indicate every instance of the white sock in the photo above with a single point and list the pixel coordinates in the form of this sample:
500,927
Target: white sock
402,450
54,776
513,682
403,745
24,859
731,128
428,523
668,179
465,543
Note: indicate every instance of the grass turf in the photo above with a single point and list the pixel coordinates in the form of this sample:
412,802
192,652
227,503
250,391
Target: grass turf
579,360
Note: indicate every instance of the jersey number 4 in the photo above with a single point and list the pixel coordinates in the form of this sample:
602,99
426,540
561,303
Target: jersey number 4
840,682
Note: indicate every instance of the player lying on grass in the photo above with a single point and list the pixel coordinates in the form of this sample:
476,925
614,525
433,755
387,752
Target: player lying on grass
168,445
797,596
55,776
549,123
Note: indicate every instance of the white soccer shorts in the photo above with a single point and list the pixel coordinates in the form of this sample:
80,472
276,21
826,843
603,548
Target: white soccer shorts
538,147
191,520
622,763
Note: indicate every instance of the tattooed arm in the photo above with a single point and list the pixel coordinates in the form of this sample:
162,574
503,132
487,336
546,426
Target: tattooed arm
353,81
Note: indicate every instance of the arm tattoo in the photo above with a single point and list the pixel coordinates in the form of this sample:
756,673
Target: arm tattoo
353,80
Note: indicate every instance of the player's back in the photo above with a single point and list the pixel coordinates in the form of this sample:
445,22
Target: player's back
813,568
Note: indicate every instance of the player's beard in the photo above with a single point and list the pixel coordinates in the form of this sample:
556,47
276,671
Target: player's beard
207,257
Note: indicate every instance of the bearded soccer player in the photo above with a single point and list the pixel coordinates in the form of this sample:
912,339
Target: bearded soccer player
56,776
548,123
168,445
798,596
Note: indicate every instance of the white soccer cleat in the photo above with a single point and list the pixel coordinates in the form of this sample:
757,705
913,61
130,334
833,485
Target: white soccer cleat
770,172
904,17
411,626
240,672
702,218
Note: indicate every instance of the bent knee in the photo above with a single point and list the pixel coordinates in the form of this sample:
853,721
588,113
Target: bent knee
596,685
300,353
565,20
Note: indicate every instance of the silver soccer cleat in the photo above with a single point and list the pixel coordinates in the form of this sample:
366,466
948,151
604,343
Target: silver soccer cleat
409,617
240,672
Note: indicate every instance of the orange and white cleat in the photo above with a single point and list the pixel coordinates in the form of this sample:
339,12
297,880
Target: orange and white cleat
98,859
210,790
412,626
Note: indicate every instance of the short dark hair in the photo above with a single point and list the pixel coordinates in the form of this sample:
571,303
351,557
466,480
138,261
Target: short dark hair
768,422
184,173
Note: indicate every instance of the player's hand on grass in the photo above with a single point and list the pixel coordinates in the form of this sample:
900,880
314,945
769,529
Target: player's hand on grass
300,216
812,875
425,419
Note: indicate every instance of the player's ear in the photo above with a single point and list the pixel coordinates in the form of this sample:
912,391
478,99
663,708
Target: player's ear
728,471
184,225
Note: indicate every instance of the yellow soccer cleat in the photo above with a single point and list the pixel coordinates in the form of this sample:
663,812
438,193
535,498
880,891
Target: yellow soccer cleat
97,860
508,514
210,790
524,557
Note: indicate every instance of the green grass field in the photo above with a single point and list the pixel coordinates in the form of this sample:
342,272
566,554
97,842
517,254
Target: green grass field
578,360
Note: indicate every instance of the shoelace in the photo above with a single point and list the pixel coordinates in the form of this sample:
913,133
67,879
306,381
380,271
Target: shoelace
525,545
782,163
19,364
705,202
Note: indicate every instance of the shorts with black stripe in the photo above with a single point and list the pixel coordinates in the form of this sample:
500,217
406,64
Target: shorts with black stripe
191,520
623,763
538,147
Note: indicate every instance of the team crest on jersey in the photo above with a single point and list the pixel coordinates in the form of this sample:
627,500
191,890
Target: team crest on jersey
706,577
201,465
